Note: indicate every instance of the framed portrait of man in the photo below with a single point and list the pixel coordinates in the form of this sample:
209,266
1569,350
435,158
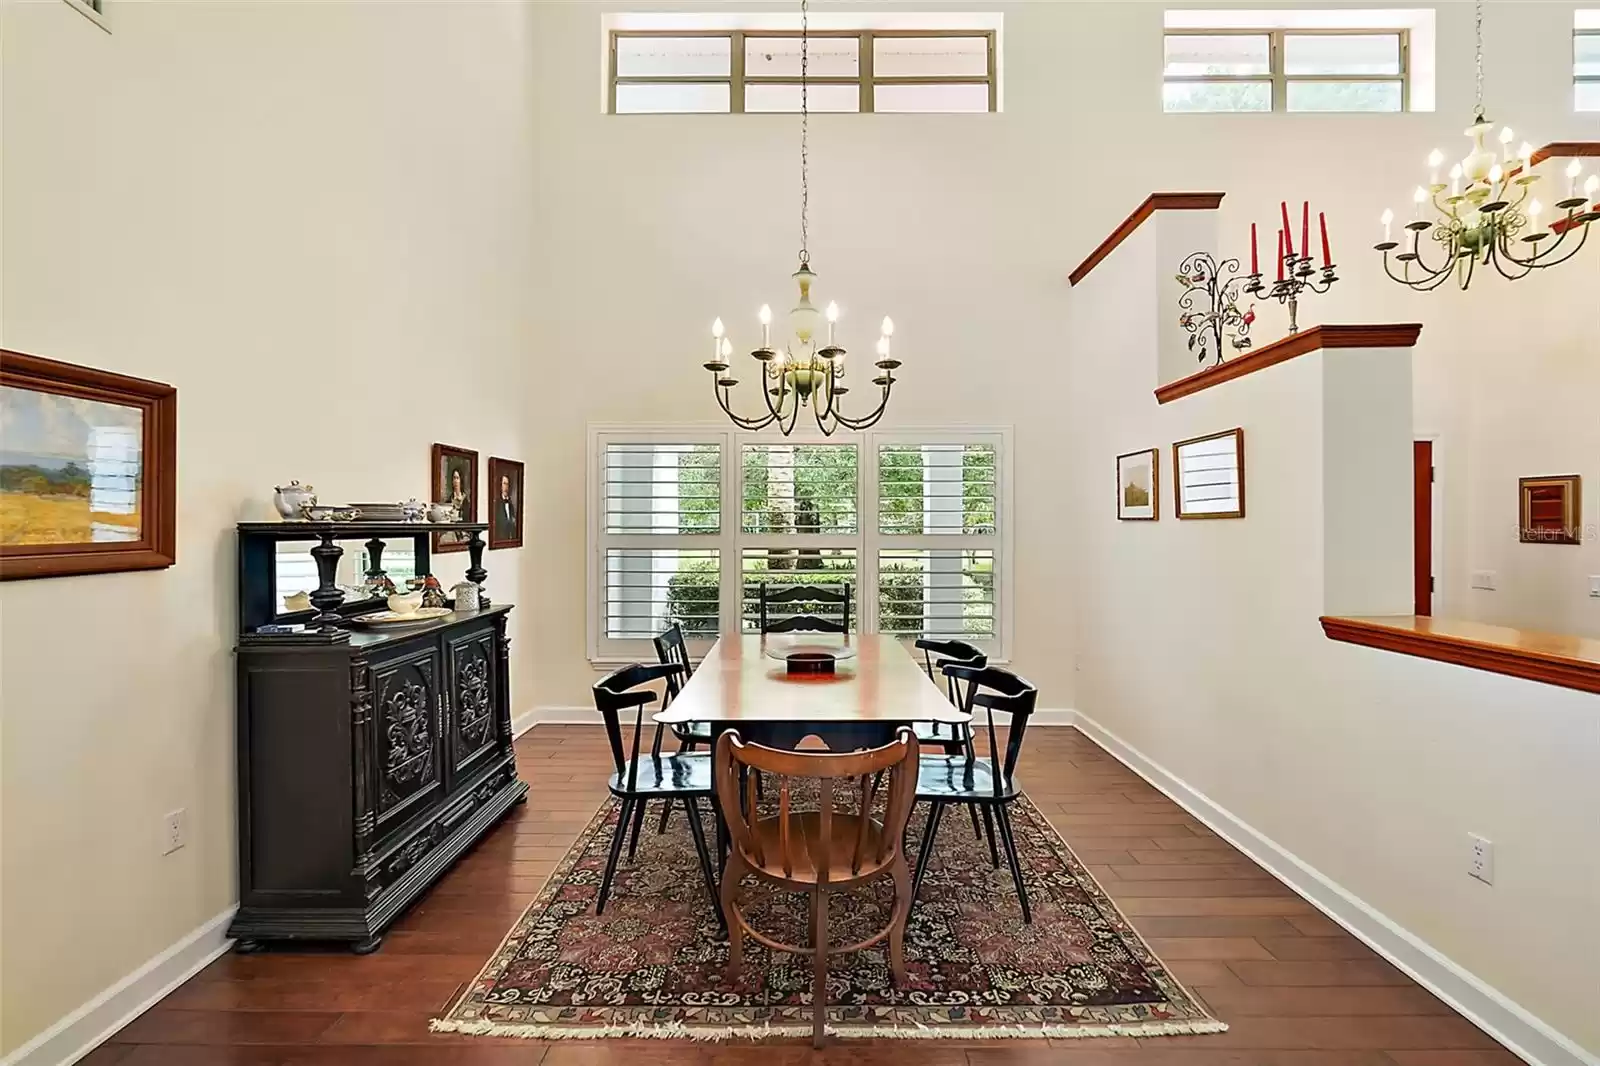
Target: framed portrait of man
505,503
455,481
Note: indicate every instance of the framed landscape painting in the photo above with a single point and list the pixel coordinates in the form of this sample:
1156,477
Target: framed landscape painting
505,503
88,470
455,481
1138,486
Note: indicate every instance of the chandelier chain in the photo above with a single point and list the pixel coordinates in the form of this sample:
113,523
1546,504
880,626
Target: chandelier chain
1478,55
805,130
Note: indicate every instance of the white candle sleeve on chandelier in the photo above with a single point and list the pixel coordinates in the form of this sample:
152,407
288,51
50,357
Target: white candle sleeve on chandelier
1417,200
1574,169
833,319
1455,180
1387,220
766,326
1435,157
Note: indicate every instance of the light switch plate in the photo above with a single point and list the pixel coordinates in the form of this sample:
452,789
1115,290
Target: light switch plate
1594,584
1483,579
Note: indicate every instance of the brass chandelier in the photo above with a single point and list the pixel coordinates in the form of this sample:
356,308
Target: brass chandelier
804,371
1493,219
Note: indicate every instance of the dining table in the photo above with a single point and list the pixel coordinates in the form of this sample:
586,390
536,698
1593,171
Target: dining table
747,683
850,691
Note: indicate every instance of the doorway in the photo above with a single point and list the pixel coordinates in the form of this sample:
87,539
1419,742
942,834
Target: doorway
1422,482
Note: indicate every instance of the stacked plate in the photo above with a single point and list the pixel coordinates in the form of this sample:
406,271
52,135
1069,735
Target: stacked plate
381,512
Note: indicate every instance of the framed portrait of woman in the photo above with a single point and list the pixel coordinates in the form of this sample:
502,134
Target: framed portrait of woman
455,481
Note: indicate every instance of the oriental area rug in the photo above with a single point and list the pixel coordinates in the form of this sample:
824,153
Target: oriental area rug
653,964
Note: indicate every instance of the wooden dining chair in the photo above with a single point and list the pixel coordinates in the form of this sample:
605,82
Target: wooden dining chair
840,845
637,780
988,783
670,648
813,601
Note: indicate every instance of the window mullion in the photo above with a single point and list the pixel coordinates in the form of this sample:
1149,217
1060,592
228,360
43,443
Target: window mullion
732,570
864,55
867,552
736,73
1276,63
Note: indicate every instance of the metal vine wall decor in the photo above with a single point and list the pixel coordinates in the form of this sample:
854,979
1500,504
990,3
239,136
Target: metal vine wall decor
1210,306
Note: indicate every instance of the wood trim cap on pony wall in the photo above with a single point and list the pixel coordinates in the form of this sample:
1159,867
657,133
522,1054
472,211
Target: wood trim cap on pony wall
1156,201
1307,340
1549,658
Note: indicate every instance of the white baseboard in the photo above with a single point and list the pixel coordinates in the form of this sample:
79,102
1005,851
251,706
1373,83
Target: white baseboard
521,723
92,1024
1488,1009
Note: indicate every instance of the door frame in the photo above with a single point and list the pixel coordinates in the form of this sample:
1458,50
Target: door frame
1436,515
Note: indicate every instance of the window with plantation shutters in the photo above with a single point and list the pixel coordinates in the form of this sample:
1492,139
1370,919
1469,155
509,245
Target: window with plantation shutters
659,519
687,526
938,505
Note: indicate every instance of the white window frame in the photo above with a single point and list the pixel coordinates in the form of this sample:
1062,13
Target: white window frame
1584,24
93,10
609,652
865,27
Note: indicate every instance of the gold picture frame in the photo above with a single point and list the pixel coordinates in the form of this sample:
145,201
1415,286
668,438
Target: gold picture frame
1550,509
1208,475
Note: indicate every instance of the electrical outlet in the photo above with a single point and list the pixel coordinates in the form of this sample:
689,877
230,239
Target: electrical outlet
1481,861
174,831
1483,579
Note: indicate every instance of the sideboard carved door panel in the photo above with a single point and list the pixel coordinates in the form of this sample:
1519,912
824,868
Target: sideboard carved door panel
473,672
408,708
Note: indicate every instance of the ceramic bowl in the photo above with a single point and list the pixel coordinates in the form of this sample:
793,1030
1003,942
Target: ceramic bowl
405,603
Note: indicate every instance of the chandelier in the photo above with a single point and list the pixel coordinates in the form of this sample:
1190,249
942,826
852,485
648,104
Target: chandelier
804,370
1487,214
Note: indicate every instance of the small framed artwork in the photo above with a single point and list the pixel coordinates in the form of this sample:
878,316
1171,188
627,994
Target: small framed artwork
88,470
455,481
1208,473
505,503
1550,509
1139,486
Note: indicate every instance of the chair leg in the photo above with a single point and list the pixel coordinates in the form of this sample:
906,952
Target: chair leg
935,816
616,850
638,820
732,875
988,826
977,827
897,924
666,812
703,853
819,966
1006,834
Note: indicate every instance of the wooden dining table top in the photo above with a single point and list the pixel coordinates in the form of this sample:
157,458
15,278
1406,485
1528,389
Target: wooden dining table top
740,680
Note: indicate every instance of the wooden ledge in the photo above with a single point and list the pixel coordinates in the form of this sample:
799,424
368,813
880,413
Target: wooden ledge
1156,201
1307,340
1549,658
1565,150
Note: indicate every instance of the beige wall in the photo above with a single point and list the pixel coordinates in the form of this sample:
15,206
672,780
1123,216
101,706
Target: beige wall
314,220
1199,647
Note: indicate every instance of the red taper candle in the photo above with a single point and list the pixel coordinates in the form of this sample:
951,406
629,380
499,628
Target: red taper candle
1255,265
1322,220
1283,234
1305,228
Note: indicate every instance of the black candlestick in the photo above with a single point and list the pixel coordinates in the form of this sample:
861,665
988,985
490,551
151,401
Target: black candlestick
327,597
374,559
476,573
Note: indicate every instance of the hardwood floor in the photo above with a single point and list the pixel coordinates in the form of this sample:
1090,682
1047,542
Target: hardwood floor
1295,989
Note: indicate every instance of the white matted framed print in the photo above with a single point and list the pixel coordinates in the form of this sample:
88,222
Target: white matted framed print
1139,486
1208,475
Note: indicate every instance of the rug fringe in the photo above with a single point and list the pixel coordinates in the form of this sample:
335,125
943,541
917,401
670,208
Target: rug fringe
679,1031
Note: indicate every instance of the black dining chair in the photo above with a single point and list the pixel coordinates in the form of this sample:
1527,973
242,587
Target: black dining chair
670,648
812,602
955,738
637,780
988,783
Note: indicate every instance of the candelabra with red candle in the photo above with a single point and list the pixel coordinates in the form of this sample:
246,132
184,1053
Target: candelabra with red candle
1296,274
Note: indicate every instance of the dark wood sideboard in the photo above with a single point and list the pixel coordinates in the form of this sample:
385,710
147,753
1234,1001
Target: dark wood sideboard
369,760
